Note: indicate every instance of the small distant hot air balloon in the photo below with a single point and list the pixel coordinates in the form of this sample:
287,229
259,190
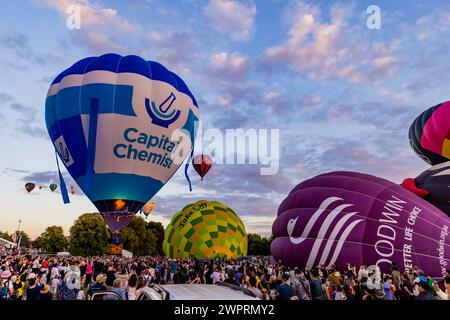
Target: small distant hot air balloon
29,186
72,189
42,187
53,187
202,163
148,207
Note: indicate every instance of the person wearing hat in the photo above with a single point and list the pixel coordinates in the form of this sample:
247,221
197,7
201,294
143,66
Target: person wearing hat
285,291
7,284
34,289
46,294
99,284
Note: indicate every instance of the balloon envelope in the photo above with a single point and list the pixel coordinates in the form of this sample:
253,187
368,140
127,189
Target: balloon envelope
53,187
205,229
202,163
349,217
436,181
136,107
148,207
429,134
29,186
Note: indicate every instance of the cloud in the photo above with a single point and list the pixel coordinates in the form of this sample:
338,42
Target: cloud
94,15
309,101
165,47
97,41
232,18
23,51
331,49
228,67
5,97
436,23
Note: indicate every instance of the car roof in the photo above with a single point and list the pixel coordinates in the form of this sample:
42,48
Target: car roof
204,292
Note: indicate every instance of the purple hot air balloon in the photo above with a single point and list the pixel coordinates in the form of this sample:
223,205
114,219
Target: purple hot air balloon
348,217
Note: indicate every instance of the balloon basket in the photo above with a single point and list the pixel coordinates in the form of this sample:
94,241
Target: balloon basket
114,249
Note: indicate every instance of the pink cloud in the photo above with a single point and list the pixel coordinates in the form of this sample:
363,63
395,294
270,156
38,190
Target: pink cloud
225,66
231,17
323,49
94,15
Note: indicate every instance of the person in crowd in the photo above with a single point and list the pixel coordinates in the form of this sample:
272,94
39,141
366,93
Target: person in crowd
300,285
99,284
110,275
217,275
285,291
442,295
131,289
424,291
338,293
46,293
34,288
88,273
230,277
117,288
388,288
316,287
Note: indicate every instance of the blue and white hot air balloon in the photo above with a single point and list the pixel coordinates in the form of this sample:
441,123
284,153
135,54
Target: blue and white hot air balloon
122,126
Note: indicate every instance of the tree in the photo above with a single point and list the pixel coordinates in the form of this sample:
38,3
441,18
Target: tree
138,238
52,240
257,245
89,235
158,230
25,240
6,236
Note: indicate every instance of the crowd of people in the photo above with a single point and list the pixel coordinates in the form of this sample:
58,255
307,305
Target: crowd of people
39,277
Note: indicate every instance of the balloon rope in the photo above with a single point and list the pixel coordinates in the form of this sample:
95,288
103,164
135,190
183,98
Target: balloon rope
186,167
92,141
62,184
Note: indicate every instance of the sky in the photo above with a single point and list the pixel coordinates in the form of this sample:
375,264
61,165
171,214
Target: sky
342,95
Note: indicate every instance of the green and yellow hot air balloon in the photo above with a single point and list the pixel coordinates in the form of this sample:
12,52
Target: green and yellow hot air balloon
205,229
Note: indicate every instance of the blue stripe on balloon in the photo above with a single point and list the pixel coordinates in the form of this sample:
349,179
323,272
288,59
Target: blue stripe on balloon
69,100
190,127
131,64
133,187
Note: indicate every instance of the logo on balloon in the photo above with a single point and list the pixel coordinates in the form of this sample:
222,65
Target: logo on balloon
163,115
63,151
326,222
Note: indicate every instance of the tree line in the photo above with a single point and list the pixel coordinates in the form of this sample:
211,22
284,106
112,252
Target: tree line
89,236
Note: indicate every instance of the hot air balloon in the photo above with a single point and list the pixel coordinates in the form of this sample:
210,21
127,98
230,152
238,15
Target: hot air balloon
148,208
205,229
342,217
73,189
429,134
53,187
29,186
121,126
433,185
202,163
